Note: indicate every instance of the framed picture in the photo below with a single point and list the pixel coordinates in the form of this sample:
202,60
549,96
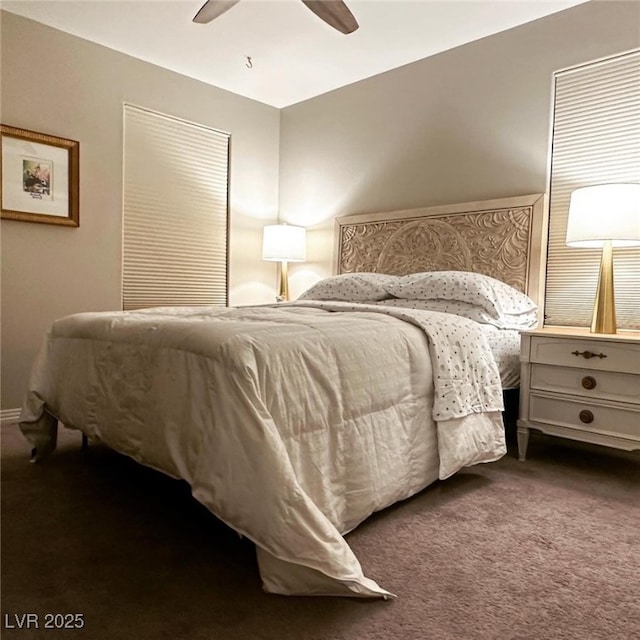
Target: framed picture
39,177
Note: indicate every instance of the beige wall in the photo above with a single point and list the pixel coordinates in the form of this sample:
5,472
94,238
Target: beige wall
61,85
471,123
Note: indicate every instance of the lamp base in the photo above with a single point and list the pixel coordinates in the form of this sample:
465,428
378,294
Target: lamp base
604,310
283,293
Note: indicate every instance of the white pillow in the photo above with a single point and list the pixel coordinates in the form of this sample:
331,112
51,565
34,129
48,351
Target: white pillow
495,297
520,321
351,287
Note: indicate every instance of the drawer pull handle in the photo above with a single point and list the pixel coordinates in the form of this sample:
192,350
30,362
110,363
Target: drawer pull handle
588,382
588,354
586,416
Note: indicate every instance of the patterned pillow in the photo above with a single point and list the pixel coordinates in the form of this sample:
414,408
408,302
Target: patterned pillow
351,287
520,321
495,297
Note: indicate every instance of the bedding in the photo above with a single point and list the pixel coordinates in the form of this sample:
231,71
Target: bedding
292,423
351,287
501,309
518,322
505,347
503,335
494,296
470,295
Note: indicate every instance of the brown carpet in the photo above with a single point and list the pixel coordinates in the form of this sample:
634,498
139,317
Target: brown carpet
548,549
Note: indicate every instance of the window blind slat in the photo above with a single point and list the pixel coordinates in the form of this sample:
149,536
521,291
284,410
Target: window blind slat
175,228
596,140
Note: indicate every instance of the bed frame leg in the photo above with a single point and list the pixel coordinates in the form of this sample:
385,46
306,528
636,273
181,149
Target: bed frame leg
85,443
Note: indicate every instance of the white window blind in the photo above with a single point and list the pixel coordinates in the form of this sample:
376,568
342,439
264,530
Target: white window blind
596,140
175,228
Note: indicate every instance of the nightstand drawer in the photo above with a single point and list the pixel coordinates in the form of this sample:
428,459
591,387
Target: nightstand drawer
605,385
585,416
598,355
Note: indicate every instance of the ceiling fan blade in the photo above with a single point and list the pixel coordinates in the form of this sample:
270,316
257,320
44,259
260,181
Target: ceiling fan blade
334,13
212,9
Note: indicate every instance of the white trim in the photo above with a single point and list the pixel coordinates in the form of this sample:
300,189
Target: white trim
9,416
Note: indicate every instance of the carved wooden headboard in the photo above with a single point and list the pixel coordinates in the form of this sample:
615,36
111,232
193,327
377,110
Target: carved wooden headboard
502,238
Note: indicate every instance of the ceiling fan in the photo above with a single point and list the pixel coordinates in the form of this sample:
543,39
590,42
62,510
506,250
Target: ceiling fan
334,12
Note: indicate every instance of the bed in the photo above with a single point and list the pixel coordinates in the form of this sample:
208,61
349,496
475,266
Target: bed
294,422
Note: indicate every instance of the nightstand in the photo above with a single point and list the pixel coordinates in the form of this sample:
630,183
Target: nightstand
580,385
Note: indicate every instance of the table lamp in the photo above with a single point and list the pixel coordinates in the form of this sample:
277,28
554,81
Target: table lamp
606,216
284,243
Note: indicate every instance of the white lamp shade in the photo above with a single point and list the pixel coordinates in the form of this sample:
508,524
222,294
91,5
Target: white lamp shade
284,243
604,212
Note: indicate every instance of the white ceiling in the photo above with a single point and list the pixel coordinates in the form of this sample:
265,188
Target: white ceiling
294,55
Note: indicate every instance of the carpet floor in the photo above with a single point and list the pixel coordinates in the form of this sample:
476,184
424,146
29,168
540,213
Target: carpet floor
548,549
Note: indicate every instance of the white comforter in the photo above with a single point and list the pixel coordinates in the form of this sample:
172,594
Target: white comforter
291,423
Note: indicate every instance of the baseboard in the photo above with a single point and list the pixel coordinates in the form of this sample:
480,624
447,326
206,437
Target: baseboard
9,416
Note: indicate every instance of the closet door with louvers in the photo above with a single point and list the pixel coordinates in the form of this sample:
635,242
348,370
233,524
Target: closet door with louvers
175,227
595,140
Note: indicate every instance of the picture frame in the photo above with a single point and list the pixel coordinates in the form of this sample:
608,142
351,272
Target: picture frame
39,177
